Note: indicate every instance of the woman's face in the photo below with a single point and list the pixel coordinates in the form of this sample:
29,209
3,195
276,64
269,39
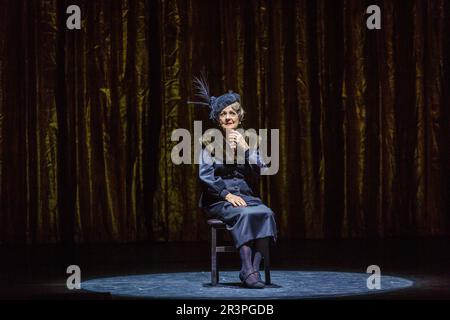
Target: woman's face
229,118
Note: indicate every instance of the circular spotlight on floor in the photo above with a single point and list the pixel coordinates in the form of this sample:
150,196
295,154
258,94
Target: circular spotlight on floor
285,285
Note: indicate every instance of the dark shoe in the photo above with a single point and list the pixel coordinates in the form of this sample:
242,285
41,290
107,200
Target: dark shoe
252,282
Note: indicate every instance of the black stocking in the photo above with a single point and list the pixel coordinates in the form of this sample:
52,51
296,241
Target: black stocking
261,245
248,274
245,252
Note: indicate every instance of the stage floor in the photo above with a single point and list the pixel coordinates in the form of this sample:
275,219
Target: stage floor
286,284
410,269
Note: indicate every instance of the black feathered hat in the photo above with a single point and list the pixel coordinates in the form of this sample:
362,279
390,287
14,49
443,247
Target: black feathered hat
216,104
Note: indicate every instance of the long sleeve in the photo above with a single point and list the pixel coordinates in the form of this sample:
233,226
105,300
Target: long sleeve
253,159
206,174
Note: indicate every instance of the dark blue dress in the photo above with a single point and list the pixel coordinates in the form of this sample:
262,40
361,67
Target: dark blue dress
254,221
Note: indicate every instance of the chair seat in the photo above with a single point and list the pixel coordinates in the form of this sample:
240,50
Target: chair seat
216,223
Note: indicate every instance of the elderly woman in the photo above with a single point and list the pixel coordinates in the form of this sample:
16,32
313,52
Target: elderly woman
227,189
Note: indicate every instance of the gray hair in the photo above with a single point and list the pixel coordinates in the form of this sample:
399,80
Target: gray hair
240,111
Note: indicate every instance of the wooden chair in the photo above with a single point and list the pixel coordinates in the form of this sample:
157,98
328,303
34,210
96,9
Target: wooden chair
215,225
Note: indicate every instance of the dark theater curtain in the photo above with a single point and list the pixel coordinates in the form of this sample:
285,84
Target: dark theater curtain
86,115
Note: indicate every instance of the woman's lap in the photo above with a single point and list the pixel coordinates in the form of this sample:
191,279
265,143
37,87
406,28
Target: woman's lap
245,223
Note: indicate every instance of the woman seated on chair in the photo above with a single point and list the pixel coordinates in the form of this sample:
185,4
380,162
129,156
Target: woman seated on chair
227,187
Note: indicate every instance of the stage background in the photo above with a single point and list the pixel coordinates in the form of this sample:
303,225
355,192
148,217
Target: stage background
86,116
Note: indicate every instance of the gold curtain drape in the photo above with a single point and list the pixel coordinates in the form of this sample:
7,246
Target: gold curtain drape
86,116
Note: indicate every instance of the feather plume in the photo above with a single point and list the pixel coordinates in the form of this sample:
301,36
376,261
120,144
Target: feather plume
201,85
202,88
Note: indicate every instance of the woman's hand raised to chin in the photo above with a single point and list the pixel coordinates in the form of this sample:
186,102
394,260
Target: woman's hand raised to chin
236,139
236,201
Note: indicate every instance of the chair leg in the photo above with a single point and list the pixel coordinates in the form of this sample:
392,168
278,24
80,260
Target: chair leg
267,266
214,273
217,270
